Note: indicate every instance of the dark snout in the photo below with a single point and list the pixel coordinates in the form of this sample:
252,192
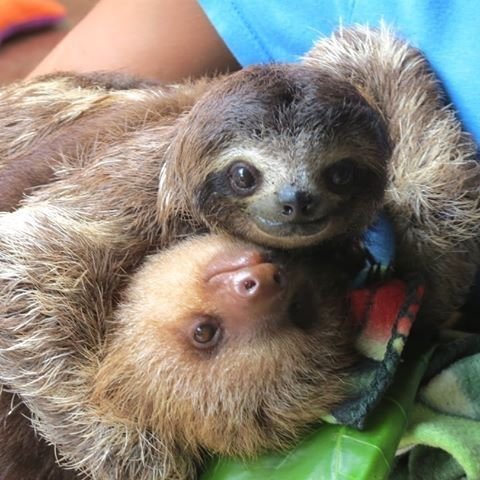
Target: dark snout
296,205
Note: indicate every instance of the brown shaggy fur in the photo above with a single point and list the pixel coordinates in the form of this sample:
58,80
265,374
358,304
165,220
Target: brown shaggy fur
48,124
67,253
294,123
125,394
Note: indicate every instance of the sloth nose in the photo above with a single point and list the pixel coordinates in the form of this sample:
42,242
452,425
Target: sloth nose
259,282
295,204
247,294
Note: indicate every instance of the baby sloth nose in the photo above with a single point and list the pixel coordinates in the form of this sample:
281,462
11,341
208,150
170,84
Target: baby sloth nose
258,281
295,204
246,293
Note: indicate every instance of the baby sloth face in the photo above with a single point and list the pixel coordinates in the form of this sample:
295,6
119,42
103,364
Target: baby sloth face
218,345
284,156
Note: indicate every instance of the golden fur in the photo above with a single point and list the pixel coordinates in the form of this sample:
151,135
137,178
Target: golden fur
118,391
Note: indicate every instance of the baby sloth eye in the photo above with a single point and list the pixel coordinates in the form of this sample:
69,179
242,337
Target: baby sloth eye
244,178
206,333
341,174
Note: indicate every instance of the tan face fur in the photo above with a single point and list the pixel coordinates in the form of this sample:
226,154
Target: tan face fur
232,352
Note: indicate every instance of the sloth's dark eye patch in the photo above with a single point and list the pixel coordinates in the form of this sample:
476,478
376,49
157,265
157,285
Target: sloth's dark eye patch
341,175
244,178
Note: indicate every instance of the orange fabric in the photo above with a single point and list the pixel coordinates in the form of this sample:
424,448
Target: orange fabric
18,12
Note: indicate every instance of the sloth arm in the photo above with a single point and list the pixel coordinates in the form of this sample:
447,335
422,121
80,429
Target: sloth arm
78,110
24,167
165,40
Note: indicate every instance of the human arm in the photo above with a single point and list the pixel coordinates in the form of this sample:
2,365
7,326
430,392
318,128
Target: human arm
167,40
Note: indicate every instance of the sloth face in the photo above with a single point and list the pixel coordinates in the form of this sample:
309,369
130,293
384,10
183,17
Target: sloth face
223,345
286,156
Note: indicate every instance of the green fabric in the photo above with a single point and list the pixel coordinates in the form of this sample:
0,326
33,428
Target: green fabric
444,428
422,461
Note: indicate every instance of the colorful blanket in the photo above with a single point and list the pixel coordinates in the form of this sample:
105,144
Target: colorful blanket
442,440
384,314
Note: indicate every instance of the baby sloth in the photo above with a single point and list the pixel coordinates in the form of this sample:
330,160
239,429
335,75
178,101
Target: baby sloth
234,353
216,346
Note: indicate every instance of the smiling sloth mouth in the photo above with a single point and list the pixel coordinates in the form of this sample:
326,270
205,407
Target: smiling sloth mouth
299,229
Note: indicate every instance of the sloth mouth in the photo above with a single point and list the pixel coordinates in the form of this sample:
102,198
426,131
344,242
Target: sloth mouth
305,228
302,311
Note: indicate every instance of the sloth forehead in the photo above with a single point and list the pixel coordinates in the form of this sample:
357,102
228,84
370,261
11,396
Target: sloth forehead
311,117
279,95
262,117
302,148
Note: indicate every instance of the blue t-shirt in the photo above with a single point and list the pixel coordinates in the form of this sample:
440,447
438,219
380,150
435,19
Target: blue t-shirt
283,30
